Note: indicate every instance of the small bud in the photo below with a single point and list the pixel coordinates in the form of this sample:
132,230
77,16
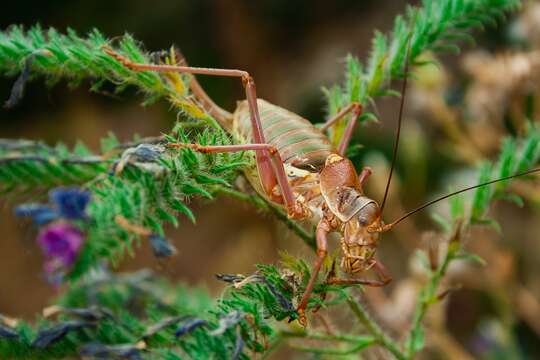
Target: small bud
7,332
433,253
17,92
146,153
189,326
238,346
51,335
101,351
230,278
455,239
227,322
161,246
441,296
154,329
281,299
92,313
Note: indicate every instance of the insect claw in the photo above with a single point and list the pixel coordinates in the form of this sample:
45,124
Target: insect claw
298,211
302,319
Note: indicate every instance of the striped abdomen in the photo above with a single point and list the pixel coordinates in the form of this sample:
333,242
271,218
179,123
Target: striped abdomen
299,143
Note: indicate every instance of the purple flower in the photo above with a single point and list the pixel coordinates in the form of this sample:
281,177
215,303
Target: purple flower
61,243
70,202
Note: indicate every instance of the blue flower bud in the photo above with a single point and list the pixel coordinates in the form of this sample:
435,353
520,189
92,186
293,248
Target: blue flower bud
161,247
49,336
71,202
7,332
40,214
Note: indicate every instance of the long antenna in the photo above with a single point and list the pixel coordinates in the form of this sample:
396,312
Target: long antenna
398,130
429,203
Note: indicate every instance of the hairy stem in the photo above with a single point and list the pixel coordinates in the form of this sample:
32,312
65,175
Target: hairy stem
428,296
357,343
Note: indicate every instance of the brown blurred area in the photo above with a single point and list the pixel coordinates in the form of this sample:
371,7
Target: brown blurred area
291,49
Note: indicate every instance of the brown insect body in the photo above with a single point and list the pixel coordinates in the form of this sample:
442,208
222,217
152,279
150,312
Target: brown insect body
324,182
297,167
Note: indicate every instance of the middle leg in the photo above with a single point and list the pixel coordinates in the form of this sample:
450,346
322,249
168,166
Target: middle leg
364,175
354,108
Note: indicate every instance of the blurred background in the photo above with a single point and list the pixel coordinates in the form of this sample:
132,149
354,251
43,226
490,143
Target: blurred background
456,115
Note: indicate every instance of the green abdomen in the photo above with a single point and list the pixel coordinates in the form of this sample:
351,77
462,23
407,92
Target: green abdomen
299,143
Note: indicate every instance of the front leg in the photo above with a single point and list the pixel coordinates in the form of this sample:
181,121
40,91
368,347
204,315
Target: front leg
295,209
323,228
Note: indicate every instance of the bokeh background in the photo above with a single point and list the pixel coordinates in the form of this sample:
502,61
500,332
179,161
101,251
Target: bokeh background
292,49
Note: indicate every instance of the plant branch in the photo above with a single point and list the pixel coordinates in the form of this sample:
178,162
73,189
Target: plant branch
357,342
436,26
374,329
515,155
256,200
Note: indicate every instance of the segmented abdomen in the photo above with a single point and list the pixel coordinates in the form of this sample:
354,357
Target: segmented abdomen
299,143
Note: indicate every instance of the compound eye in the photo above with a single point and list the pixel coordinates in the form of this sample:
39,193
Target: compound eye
368,214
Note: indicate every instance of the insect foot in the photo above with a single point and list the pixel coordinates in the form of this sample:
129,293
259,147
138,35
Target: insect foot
298,211
302,318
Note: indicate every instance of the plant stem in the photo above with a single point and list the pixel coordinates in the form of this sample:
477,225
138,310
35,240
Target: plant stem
358,342
261,203
319,336
375,330
428,296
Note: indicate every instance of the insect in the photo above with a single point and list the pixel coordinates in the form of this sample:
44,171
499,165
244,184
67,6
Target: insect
298,168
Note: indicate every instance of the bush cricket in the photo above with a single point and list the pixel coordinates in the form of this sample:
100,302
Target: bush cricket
299,168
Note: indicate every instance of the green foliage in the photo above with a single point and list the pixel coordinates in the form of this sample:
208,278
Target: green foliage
135,307
57,56
436,26
133,197
514,155
29,166
147,196
142,311
144,193
74,58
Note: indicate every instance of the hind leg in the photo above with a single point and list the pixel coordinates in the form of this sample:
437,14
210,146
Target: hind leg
354,108
271,172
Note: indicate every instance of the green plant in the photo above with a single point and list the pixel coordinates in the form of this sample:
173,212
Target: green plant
138,186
